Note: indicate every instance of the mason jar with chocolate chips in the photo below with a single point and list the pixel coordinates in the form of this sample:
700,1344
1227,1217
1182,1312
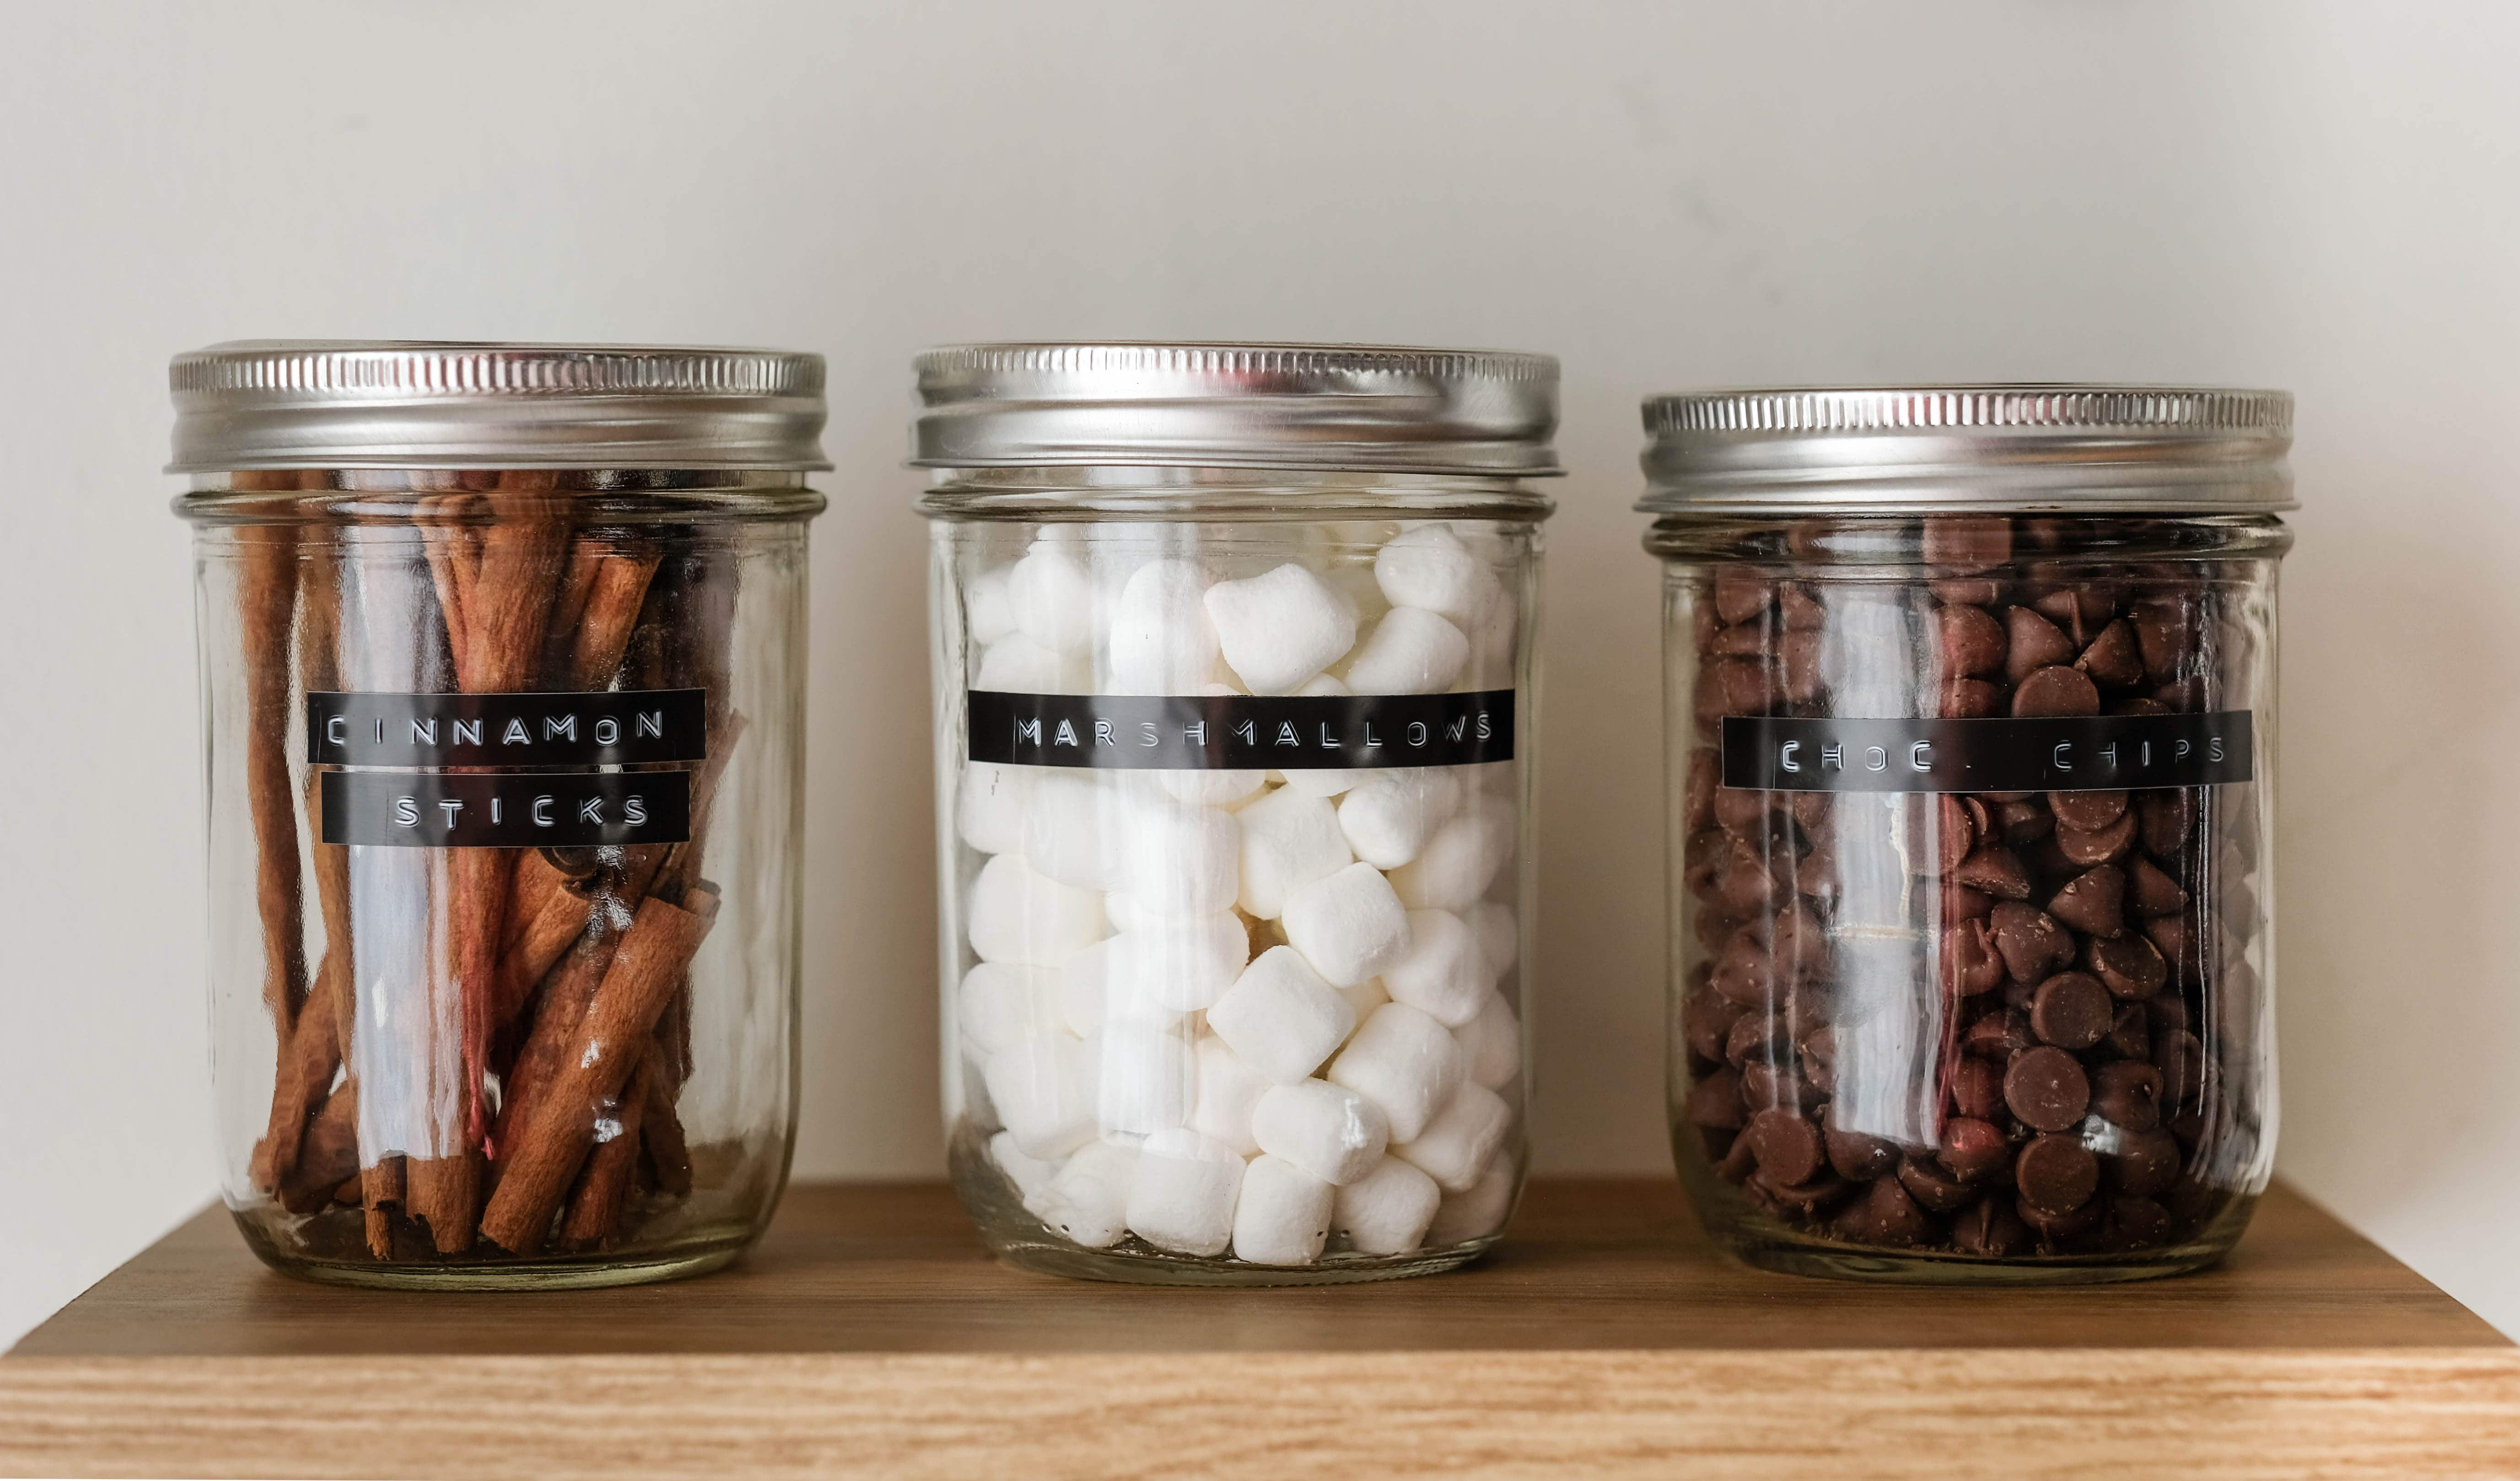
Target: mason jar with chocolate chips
1971,734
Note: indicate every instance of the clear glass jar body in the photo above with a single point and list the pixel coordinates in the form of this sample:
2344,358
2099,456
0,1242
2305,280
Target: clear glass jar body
1930,1028
1207,1019
483,1011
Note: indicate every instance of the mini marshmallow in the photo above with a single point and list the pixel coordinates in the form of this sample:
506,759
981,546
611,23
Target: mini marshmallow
1030,1175
1166,967
1410,651
1144,1076
1280,1017
1072,829
1001,1002
1387,818
1385,1212
1087,1198
1020,915
1403,1061
1460,860
1161,640
1044,1088
1349,925
989,809
1211,789
1457,1145
1017,664
1284,1216
1479,1212
1335,1135
1178,860
1428,567
1228,1089
987,611
1365,997
1051,595
1499,939
1182,1194
1492,1043
1279,630
1289,840
1440,974
1319,781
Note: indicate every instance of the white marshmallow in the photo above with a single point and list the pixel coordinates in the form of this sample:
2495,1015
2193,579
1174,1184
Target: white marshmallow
1385,1212
1319,781
1283,1216
1387,818
1289,840
1499,939
1030,1174
1145,1077
1365,997
1440,974
1349,925
1211,789
1016,664
1002,1002
1428,567
1164,968
1183,1192
1492,1043
1178,860
1462,859
1279,630
1335,1135
1355,583
990,809
986,611
1410,651
1088,1199
1480,1211
1403,1061
1228,1089
1456,1147
1044,1088
1280,1017
1161,640
973,1085
1072,829
1054,600
1019,915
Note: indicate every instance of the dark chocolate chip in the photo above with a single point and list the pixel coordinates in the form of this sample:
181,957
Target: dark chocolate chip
2050,691
1999,1035
2135,1222
2182,1058
2046,1090
1971,966
1933,1187
2094,902
1805,1198
2129,966
2056,1174
1883,1214
1989,1229
2131,1033
1787,1148
2144,1163
1977,1086
2128,1093
2059,1229
1858,1156
2072,1010
1974,1149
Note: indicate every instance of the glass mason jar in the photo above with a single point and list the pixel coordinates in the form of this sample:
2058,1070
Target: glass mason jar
502,664
1971,719
1234,694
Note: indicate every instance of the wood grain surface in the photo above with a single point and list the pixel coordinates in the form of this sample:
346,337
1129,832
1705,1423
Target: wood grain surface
870,1335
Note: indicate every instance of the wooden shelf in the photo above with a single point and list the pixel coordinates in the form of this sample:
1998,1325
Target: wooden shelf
870,1335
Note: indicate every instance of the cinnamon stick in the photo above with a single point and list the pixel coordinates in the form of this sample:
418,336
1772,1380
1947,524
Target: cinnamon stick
309,1055
610,613
660,1125
266,601
603,1053
331,1153
603,1187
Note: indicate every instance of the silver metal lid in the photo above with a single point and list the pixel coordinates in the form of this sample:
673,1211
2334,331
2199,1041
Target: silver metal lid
382,403
1371,408
2097,449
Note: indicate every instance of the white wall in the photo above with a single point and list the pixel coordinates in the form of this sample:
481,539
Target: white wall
2311,196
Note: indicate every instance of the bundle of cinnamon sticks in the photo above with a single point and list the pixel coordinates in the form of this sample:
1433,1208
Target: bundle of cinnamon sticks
484,1059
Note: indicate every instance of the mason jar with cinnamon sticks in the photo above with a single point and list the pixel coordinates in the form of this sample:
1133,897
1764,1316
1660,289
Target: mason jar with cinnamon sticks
503,655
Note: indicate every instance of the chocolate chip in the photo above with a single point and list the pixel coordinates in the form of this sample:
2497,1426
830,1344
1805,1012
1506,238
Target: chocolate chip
2088,810
2129,966
2023,821
2056,1174
2167,817
2046,1088
1804,679
1735,686
2144,1163
2168,935
1856,1156
1765,1083
1956,830
1754,639
1973,1148
2072,1010
1758,1036
2182,1058
1803,612
1969,699
2135,1222
1747,813
1967,592
2100,846
2059,1229
1994,869
1787,1148
1968,543
1739,597
1820,1059
1706,1019
1977,1087
2165,630
2130,1032
1971,643
1715,1100
2054,691
1738,1163
1697,794
2094,902
2032,643
2169,1013
1805,1198
1883,1214
1960,903
1747,878
2151,891
2113,658
2128,1093
2080,611
1747,971
1999,1035
1989,1229
1934,1187
2030,941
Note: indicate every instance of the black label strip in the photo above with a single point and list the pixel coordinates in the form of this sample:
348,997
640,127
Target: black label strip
427,809
2088,753
1232,732
619,727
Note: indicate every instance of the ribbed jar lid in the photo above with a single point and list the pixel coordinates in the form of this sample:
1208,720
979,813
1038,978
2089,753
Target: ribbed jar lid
1371,408
380,403
1884,450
